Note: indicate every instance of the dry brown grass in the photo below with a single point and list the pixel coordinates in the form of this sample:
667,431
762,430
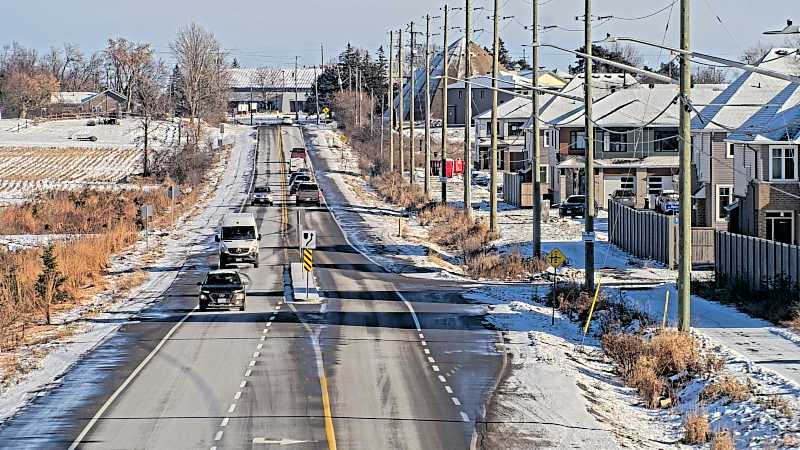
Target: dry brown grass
777,403
697,429
508,266
723,440
729,388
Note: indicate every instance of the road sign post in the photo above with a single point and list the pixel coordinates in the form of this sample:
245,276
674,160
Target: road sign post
308,267
146,211
555,259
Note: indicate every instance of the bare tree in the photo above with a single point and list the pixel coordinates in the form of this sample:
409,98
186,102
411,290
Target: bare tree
709,75
27,90
265,79
204,70
152,103
755,52
125,62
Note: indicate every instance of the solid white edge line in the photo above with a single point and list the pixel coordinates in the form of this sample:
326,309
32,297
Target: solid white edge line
127,381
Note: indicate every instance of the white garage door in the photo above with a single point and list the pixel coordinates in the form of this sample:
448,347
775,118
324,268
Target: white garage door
612,183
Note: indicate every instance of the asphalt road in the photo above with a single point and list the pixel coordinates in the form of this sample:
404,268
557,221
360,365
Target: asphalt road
385,361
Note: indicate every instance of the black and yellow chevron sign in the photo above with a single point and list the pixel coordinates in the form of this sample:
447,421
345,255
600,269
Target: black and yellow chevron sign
308,260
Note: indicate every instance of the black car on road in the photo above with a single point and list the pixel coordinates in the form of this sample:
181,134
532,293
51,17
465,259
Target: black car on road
223,289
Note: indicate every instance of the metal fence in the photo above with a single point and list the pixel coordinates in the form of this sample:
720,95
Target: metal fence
650,235
757,262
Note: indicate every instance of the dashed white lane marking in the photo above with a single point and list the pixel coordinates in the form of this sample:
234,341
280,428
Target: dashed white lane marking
448,389
256,354
427,352
243,384
263,338
224,422
272,317
213,448
421,336
464,416
247,374
232,407
260,346
278,308
456,401
252,363
269,324
264,331
435,368
238,395
424,344
218,436
431,360
442,379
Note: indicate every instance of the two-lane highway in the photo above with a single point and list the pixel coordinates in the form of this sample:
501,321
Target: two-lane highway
384,362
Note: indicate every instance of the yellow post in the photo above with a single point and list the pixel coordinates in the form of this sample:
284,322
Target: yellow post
666,310
591,309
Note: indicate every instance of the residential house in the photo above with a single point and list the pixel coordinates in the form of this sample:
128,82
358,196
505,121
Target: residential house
765,113
282,90
107,103
512,82
562,131
636,141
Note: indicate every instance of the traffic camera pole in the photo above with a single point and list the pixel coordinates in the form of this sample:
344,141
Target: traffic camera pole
401,109
427,187
412,108
391,101
536,143
467,112
443,84
685,233
493,156
589,167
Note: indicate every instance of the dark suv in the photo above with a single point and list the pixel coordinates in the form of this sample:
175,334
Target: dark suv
223,289
574,206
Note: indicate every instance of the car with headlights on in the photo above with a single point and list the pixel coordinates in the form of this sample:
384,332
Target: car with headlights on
262,195
238,239
223,289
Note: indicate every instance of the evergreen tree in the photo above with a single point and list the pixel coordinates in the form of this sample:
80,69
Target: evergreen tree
504,56
600,52
177,93
50,283
235,64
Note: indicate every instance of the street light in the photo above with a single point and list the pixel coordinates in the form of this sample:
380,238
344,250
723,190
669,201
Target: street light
790,29
716,59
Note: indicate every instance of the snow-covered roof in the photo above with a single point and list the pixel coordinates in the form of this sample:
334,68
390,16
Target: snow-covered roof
270,78
516,108
758,107
70,98
507,80
655,105
649,162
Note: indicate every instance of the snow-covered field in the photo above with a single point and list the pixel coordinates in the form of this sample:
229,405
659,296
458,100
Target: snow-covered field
160,262
65,134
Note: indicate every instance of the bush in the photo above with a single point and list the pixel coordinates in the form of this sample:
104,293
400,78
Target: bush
723,440
393,188
509,266
697,429
727,387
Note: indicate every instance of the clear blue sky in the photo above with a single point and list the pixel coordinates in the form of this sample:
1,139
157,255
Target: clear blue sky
270,32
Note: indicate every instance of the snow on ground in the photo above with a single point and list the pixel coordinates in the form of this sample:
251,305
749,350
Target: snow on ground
64,133
192,235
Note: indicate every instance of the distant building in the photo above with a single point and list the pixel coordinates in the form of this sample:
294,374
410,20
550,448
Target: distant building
282,90
106,103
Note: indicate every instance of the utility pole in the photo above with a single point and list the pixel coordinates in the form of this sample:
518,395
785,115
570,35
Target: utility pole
402,100
685,218
589,167
536,142
296,94
493,156
427,187
391,101
316,91
467,112
412,110
444,84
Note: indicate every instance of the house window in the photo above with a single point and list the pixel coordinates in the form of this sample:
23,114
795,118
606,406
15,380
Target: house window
543,173
729,152
780,226
724,199
577,140
782,163
515,128
548,138
665,140
655,185
481,93
627,183
617,142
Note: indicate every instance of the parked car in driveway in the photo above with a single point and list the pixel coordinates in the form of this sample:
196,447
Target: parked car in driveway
625,197
262,195
223,289
574,206
668,203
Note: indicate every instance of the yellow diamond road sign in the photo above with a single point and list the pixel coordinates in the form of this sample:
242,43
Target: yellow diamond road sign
555,258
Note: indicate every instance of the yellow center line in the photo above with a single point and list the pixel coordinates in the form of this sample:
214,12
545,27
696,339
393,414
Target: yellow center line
323,380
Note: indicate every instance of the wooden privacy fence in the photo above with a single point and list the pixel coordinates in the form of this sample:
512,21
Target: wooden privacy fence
757,262
650,235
